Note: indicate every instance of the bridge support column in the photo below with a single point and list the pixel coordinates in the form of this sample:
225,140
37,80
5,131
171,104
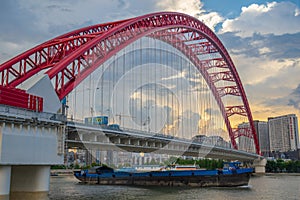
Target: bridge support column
29,182
5,173
260,166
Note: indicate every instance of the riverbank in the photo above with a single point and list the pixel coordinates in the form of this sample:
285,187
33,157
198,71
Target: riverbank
61,172
282,174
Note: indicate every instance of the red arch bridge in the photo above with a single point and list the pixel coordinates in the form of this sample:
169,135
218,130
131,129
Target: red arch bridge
140,83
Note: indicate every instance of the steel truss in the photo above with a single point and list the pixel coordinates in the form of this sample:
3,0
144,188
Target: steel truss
70,58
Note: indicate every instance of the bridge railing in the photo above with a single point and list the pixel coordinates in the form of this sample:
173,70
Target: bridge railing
150,134
20,113
123,129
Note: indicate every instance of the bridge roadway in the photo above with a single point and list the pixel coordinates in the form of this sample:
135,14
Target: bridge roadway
83,136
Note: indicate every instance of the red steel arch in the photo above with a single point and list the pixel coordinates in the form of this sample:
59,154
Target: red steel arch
73,56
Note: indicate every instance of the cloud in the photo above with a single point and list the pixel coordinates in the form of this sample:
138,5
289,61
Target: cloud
283,46
212,111
17,21
69,15
275,94
268,66
193,8
266,77
263,61
28,23
272,18
295,98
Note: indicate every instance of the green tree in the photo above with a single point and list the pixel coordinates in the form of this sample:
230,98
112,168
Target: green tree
58,167
271,166
280,165
296,166
152,161
290,166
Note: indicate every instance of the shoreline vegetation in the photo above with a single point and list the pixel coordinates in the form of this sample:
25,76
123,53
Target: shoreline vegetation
281,166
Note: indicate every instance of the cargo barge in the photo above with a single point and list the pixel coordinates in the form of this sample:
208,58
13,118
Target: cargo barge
230,176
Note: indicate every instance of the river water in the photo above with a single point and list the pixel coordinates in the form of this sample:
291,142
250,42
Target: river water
269,187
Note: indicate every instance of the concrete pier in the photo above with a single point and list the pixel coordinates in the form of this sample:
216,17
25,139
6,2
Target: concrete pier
260,165
29,181
24,182
5,172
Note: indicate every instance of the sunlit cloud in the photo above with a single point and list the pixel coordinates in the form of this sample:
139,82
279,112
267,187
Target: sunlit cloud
271,18
193,8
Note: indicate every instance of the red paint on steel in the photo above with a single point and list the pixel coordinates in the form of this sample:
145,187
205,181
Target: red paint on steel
19,98
73,56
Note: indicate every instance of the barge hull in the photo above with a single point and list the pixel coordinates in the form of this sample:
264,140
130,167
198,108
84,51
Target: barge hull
229,180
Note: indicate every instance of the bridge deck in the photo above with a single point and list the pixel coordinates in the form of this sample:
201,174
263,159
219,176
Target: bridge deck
88,137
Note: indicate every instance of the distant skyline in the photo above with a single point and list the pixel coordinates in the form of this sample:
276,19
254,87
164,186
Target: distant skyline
262,37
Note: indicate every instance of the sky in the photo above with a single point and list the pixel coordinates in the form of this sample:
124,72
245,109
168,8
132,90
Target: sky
262,37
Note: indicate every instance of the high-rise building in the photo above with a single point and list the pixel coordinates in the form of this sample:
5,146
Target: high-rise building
262,132
283,133
247,144
212,140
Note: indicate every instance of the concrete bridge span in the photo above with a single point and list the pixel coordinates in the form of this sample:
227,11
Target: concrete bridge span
30,143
